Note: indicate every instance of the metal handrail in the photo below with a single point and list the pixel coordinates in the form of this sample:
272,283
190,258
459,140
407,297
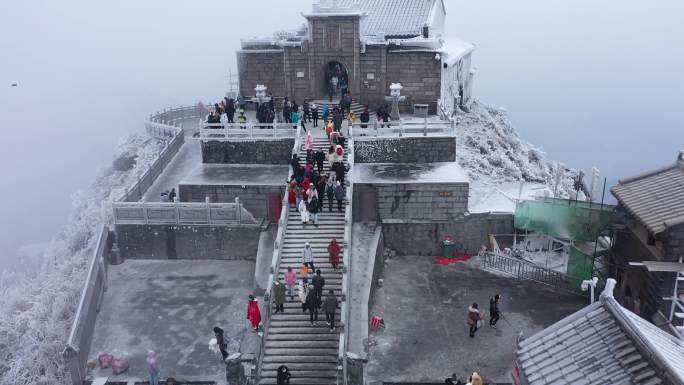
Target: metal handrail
525,270
345,308
275,260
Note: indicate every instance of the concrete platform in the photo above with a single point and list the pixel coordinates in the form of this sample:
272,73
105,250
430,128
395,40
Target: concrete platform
389,173
171,307
236,175
424,306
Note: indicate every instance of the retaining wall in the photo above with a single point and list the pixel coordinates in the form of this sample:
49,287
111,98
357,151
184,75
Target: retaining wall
188,242
413,201
254,199
423,237
405,150
272,151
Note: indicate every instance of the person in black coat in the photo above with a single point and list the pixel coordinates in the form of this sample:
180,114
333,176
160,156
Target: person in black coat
365,117
221,340
318,283
494,312
312,305
283,375
314,115
319,157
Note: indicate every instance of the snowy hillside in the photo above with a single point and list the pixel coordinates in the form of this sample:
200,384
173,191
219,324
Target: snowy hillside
494,156
37,310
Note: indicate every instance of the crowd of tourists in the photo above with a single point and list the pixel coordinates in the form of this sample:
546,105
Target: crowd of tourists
293,113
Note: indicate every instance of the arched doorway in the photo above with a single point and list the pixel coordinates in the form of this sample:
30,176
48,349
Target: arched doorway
336,79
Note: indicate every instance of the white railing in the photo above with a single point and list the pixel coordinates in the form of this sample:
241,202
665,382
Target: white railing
173,115
248,130
164,125
174,213
275,260
77,346
345,308
402,128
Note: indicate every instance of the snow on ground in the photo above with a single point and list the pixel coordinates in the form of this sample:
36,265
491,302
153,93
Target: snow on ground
493,155
36,311
488,196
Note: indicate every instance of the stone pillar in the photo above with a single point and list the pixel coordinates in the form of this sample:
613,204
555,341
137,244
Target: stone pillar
235,373
355,368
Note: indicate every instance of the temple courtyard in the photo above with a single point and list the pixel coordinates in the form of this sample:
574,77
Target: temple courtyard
171,307
424,306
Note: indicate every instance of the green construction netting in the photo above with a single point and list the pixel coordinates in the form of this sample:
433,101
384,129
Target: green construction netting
580,266
563,219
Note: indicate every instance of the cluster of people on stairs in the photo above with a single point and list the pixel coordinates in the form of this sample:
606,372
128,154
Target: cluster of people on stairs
309,294
310,184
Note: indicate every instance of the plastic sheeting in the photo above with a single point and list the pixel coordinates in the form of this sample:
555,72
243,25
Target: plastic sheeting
564,219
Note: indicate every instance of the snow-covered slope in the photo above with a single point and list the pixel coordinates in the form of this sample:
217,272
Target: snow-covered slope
36,310
494,155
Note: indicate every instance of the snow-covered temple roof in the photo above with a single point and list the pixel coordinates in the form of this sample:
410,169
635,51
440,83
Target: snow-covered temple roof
602,343
396,18
409,23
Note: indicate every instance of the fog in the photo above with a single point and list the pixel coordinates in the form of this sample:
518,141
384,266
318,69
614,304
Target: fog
592,83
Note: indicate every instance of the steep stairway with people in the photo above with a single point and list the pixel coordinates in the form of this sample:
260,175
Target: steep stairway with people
309,352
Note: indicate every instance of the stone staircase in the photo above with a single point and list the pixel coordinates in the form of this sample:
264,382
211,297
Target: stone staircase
309,352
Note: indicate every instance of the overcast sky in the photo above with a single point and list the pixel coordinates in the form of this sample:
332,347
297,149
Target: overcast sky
591,82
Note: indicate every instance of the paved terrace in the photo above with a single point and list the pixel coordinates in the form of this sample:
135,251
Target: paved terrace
424,306
171,307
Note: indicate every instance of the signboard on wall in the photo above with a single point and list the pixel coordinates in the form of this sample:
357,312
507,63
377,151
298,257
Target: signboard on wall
445,194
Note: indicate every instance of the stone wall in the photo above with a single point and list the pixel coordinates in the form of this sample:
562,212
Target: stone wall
408,201
405,150
299,71
187,242
419,73
373,75
248,152
261,68
423,237
253,198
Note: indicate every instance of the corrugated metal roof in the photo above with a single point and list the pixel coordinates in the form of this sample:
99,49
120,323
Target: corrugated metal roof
393,17
600,344
656,199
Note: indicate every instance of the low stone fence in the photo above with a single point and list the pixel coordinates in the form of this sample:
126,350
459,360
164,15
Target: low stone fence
248,130
78,344
174,213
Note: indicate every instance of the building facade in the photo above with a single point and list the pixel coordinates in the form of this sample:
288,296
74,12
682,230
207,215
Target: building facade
367,45
652,218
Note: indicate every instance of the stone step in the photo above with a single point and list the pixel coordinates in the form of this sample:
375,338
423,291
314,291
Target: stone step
301,381
330,371
301,323
300,352
304,336
311,343
302,360
311,332
298,366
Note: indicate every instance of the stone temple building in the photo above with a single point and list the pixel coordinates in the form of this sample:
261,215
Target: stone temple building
367,45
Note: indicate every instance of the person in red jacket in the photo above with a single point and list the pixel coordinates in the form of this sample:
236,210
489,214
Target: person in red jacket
334,253
253,313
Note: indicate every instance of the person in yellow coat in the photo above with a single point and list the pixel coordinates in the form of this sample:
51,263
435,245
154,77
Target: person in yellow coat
351,118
